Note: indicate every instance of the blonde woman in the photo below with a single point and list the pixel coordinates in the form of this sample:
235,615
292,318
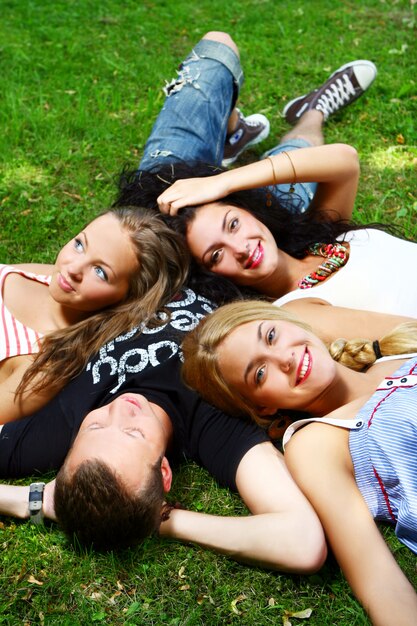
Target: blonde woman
356,458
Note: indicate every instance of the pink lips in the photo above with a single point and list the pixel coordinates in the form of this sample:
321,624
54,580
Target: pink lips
304,367
64,284
255,258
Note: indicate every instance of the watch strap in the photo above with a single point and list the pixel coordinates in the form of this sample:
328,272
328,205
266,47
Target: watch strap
35,502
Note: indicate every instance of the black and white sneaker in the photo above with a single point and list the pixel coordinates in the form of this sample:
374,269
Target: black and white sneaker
343,87
250,131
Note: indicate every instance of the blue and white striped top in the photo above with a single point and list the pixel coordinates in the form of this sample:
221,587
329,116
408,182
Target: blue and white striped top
383,446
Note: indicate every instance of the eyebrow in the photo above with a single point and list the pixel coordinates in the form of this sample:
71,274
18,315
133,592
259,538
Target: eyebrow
214,245
251,364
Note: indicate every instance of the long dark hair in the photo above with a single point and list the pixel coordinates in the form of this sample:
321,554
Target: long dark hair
293,231
141,188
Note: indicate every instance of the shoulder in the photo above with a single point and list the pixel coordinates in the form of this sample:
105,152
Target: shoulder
311,438
308,309
306,301
34,268
316,449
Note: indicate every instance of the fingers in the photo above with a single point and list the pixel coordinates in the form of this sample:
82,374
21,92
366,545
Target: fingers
171,200
190,192
166,206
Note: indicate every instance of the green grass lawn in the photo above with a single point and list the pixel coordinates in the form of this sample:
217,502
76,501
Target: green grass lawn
80,88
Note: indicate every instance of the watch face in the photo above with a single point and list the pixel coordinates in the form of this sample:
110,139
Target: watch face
36,498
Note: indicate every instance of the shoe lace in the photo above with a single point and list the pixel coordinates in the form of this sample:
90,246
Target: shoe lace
251,124
243,121
336,95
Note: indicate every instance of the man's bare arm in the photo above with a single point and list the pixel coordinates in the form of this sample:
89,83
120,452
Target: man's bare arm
283,532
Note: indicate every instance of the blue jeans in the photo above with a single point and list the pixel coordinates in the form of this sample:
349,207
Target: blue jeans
192,124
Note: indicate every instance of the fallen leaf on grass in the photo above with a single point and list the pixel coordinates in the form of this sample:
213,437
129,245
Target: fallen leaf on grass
403,50
235,601
33,580
298,614
115,595
95,595
72,195
201,598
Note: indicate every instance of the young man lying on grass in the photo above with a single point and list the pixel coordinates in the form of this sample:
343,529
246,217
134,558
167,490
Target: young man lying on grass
128,418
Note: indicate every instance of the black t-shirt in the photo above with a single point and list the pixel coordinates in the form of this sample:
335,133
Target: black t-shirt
148,363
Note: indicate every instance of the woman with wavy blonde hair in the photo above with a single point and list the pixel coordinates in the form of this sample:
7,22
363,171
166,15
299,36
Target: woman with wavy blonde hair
355,460
112,277
203,349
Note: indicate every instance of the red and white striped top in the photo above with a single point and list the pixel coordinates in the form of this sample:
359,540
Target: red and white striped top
16,338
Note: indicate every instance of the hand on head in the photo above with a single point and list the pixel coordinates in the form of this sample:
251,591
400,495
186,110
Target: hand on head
191,192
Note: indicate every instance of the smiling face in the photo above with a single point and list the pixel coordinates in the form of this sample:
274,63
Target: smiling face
231,242
128,434
93,270
277,365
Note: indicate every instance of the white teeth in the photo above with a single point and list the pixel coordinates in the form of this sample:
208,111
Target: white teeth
304,367
256,255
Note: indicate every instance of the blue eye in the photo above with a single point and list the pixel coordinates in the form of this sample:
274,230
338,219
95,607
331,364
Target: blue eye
78,245
101,273
270,336
260,374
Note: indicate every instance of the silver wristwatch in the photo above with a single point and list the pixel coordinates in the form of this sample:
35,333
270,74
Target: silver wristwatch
35,502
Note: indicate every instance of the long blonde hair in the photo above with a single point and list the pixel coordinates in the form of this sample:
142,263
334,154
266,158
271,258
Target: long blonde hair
359,354
163,263
202,372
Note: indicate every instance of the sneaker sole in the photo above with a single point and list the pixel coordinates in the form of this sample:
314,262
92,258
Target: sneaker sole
263,135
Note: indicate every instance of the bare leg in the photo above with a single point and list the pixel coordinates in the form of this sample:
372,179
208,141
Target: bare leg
216,35
233,121
310,128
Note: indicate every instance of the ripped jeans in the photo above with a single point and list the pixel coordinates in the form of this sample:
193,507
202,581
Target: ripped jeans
192,124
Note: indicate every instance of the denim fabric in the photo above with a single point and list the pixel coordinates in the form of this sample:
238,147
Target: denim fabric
303,192
193,121
192,124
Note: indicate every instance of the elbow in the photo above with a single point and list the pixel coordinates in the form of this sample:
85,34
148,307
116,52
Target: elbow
313,558
310,544
305,552
312,551
350,157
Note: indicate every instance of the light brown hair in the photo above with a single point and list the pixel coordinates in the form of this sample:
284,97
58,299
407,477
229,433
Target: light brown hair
162,269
